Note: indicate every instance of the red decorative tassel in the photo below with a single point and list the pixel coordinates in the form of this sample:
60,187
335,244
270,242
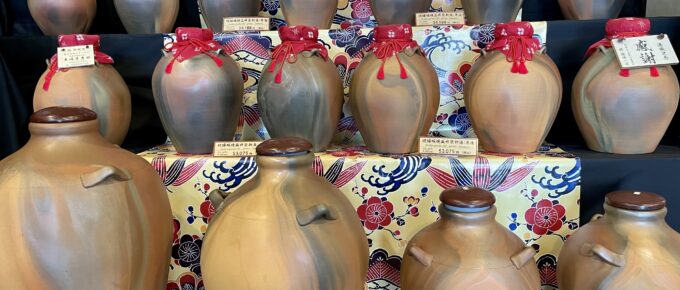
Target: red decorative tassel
381,72
515,67
168,69
523,68
278,79
654,72
624,72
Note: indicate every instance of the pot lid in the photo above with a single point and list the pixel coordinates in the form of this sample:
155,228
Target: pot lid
636,200
467,199
288,146
57,115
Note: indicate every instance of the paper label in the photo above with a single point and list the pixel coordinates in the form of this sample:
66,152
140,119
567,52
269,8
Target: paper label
440,18
235,149
75,56
448,146
245,23
645,51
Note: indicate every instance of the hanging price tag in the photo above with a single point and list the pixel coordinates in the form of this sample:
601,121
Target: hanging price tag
645,51
235,149
245,23
447,146
75,56
440,18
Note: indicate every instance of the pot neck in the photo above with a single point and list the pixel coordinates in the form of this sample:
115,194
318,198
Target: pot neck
268,165
75,130
468,218
617,215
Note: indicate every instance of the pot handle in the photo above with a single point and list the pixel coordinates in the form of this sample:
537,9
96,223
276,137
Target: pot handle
604,254
92,179
317,212
596,216
520,259
217,197
421,255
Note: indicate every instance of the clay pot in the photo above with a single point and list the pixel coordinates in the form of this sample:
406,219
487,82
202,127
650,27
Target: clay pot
389,12
147,16
623,111
394,98
214,11
467,249
528,86
591,9
99,88
295,228
79,212
631,247
309,12
197,88
301,95
491,11
55,17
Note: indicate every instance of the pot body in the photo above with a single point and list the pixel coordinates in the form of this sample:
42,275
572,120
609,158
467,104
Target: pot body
393,113
147,16
624,250
511,112
306,104
398,11
309,12
57,17
198,96
623,115
591,9
215,11
99,88
295,228
82,214
491,11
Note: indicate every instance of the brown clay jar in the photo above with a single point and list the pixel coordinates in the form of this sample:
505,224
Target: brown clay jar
55,17
79,212
214,11
309,12
623,111
513,92
467,249
147,16
99,88
629,248
491,11
388,12
591,9
394,94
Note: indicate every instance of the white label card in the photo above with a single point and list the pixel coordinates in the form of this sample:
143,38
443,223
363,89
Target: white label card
645,51
245,23
235,149
449,146
75,56
440,18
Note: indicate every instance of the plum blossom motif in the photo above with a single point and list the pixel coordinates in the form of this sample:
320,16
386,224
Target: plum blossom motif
376,213
188,281
186,252
361,10
545,217
271,6
483,35
460,122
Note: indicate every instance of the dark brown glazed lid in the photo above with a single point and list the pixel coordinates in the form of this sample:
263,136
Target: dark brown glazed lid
636,200
56,115
467,198
288,146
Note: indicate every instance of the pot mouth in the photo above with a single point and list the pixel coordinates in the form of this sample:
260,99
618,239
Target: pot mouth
60,115
636,201
284,147
467,199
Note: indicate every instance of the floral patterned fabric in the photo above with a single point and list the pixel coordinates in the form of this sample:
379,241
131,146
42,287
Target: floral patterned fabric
394,196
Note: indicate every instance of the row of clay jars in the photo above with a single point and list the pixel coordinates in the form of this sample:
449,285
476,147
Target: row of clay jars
80,213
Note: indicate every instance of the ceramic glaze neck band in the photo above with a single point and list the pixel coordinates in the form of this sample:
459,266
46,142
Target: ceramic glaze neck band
466,210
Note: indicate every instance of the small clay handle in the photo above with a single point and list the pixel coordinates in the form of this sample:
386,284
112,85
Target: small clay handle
217,197
421,255
95,178
315,213
603,49
521,259
604,254
543,50
596,217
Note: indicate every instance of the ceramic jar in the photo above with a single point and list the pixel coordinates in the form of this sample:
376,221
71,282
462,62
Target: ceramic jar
467,249
631,247
197,88
55,17
394,94
309,12
389,12
214,11
491,11
147,16
591,9
513,92
623,111
79,212
99,88
300,92
296,229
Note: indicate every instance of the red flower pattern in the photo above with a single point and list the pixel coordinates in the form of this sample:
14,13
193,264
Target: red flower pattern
545,217
361,10
376,213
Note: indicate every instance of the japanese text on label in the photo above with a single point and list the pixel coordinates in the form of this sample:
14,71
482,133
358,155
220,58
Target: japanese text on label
644,51
245,23
235,149
440,18
75,56
447,146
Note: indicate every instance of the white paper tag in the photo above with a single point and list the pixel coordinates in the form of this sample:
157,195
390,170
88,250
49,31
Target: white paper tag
235,149
245,23
75,56
440,18
449,146
645,51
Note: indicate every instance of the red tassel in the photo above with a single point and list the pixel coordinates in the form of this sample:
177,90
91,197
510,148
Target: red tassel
654,72
515,67
381,71
48,80
168,69
278,79
523,68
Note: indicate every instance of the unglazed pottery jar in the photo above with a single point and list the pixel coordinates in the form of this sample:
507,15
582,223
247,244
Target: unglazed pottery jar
630,248
394,94
591,9
513,92
198,92
99,88
79,212
491,11
286,227
147,16
309,12
388,12
300,92
467,249
56,17
214,11
623,111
